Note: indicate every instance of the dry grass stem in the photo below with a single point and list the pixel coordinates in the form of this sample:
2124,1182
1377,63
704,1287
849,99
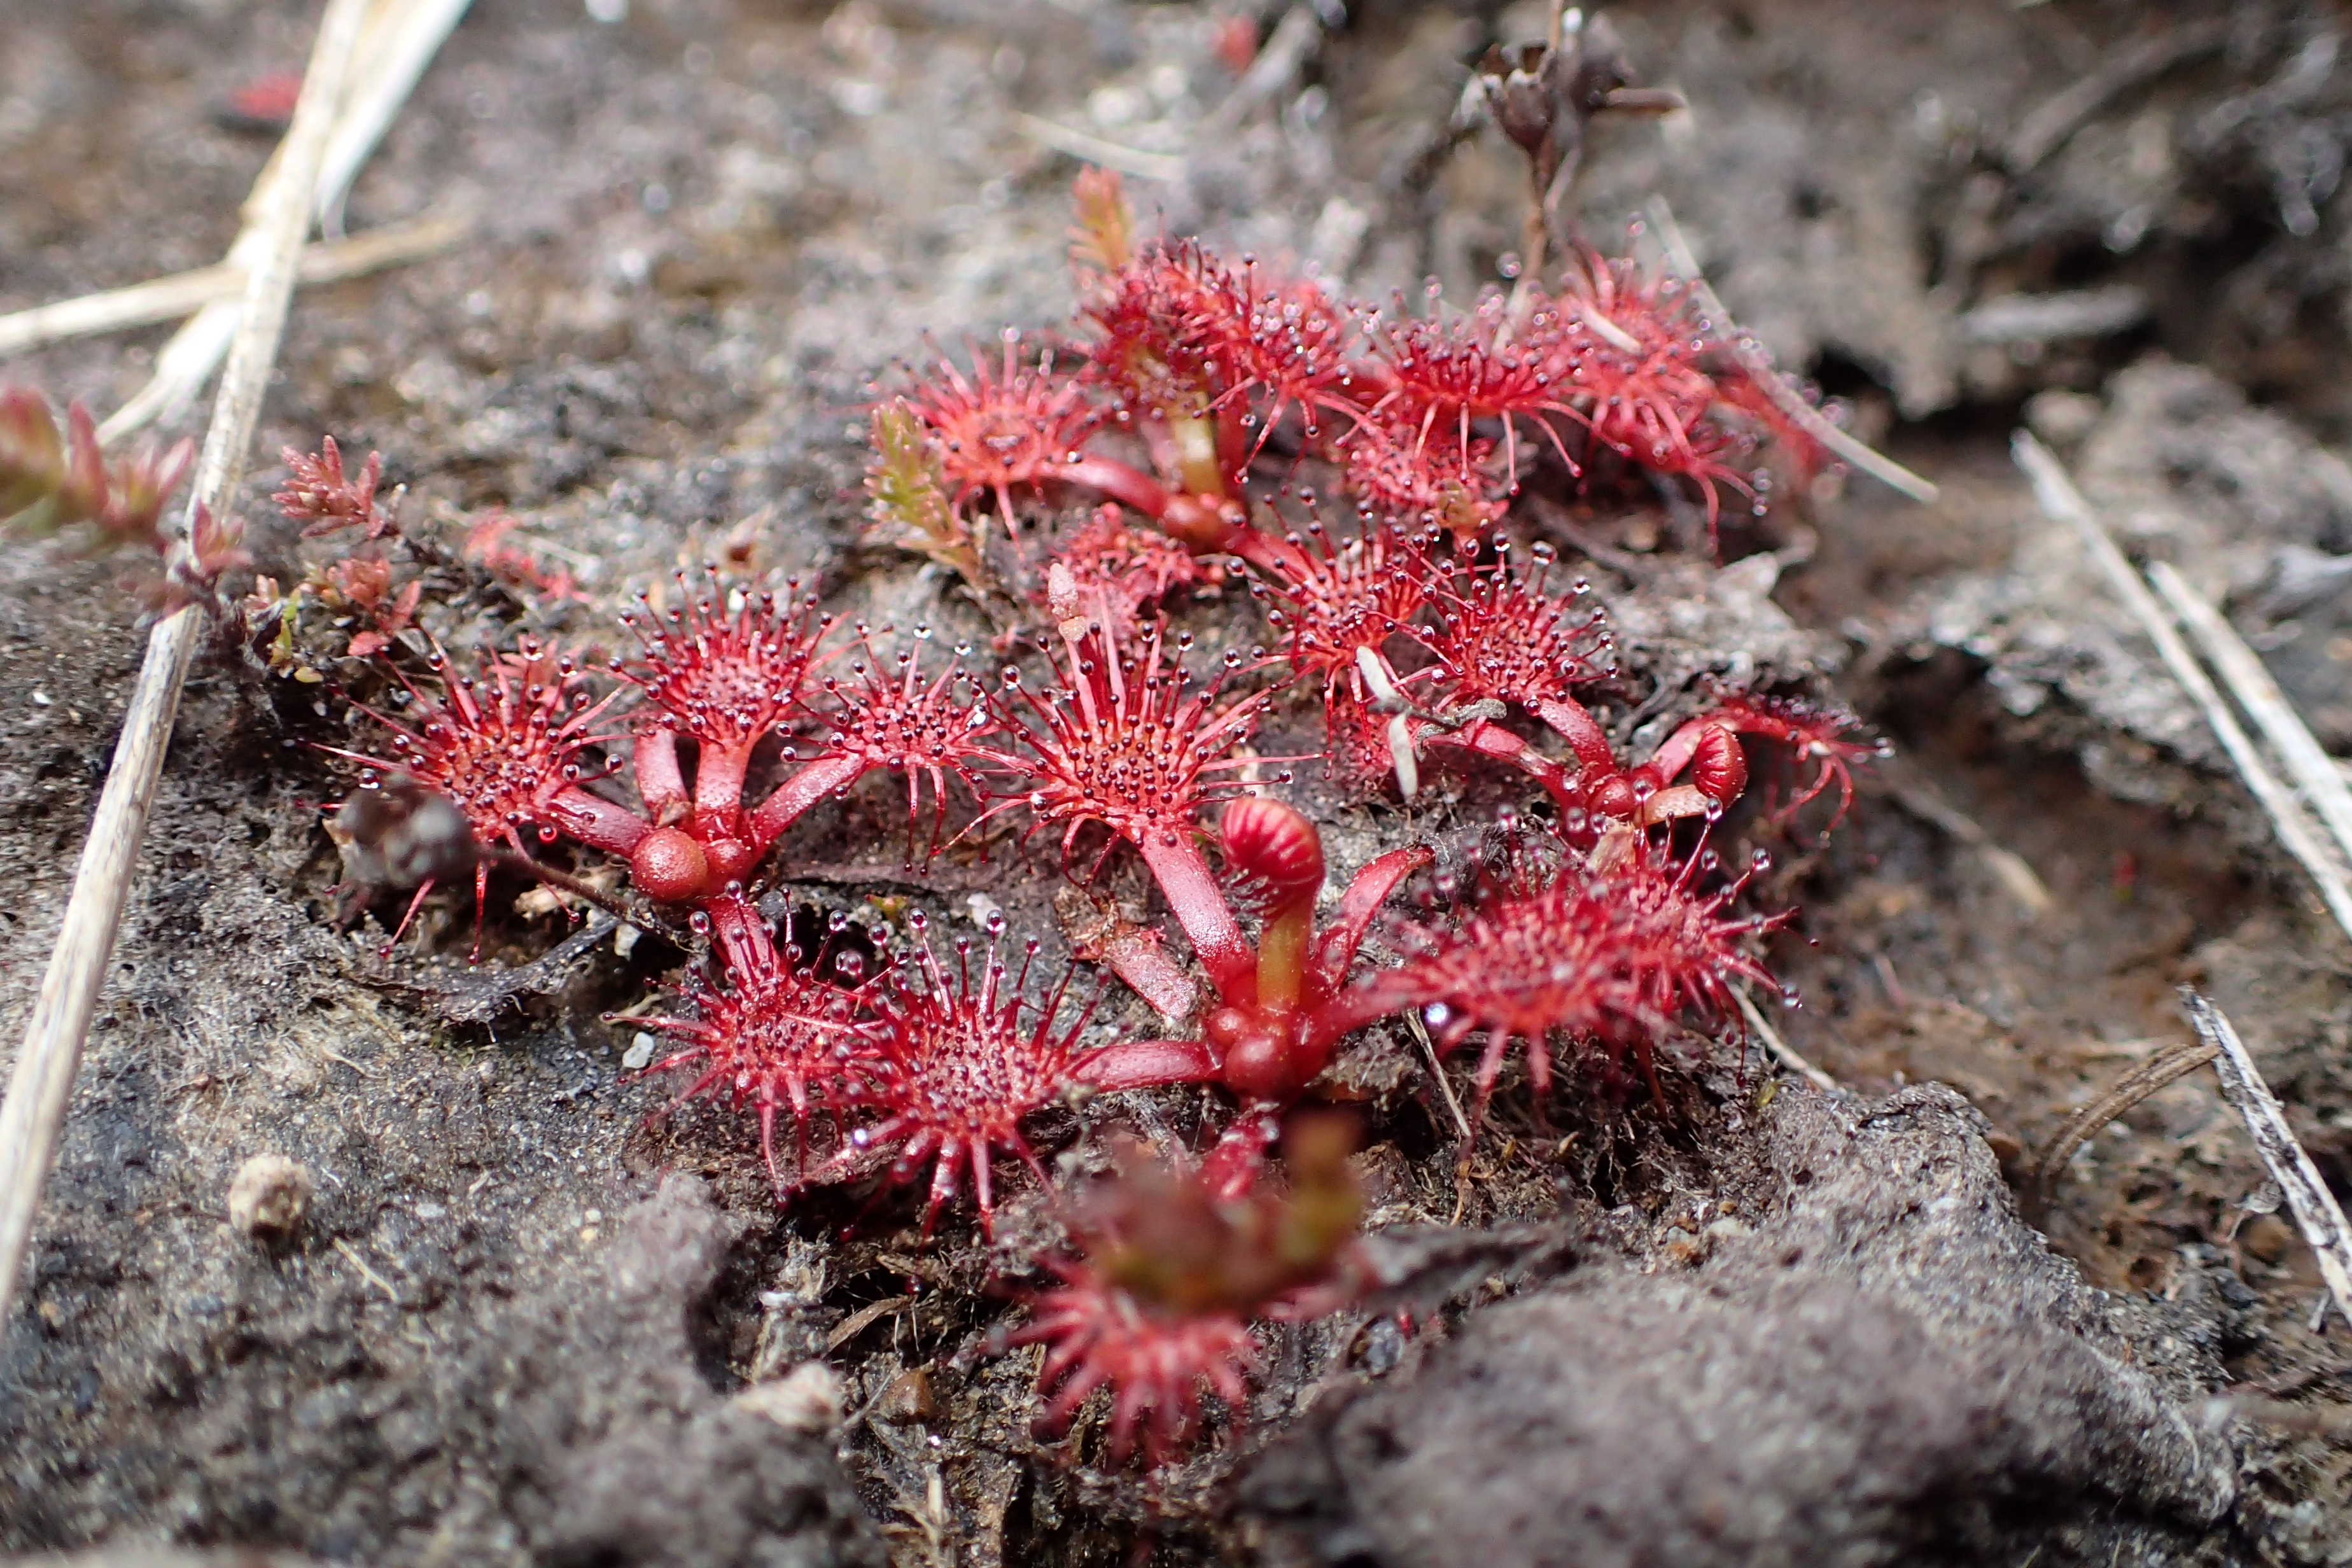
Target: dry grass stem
1278,62
2314,772
398,40
195,350
2315,1209
182,294
1917,797
2052,124
1088,148
1781,1052
2176,1060
42,1083
2061,502
351,1256
1683,261
1437,1076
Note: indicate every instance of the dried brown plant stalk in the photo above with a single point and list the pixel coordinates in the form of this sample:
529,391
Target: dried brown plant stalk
42,1083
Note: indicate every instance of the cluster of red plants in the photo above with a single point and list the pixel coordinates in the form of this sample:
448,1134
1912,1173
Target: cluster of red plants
1191,367
1097,477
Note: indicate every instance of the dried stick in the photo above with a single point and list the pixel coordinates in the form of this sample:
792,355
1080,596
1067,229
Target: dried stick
2175,1061
1437,1075
42,1083
1917,797
2314,1206
2314,770
399,40
182,294
1752,359
1468,1139
1788,1057
1287,49
2048,126
183,365
1087,147
2062,502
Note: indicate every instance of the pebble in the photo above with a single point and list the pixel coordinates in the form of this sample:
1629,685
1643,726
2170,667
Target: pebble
805,1399
269,1196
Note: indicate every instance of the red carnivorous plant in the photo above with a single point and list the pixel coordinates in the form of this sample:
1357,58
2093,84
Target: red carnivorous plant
1505,643
1169,1273
769,1034
1602,950
505,746
1020,427
924,725
727,681
953,1065
1124,741
1268,1035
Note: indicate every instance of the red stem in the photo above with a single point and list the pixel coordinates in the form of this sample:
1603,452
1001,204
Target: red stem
1570,721
1341,1016
1491,740
1201,909
1138,958
1675,752
1362,901
1120,481
835,770
661,784
1146,1064
597,822
718,787
1267,553
743,937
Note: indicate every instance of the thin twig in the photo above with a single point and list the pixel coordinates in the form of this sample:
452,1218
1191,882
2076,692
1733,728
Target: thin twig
181,294
2062,502
2315,1209
1277,64
400,40
1469,1139
2049,317
1915,795
1437,1076
1752,359
644,919
2307,762
183,365
2048,126
352,1255
865,1318
1780,1048
42,1083
2177,1060
1092,149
